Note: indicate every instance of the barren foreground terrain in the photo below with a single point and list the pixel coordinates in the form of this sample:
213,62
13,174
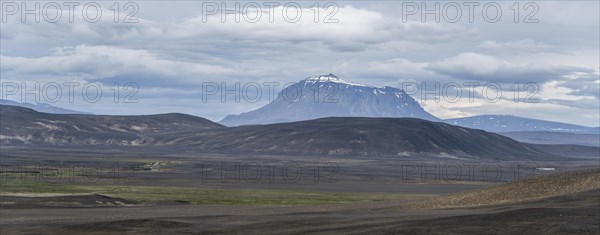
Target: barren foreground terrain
56,192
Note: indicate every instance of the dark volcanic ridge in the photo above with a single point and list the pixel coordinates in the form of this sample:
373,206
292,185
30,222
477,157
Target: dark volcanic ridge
327,136
365,137
23,126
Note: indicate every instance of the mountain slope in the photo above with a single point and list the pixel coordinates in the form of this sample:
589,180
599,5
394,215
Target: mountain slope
20,125
508,123
41,107
329,96
364,136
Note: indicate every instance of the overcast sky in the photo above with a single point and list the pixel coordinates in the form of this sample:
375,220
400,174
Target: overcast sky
174,49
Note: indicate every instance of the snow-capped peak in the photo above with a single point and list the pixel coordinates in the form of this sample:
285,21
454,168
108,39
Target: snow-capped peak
313,98
331,78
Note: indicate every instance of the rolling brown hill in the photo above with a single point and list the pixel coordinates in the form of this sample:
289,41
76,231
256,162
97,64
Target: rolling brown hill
534,188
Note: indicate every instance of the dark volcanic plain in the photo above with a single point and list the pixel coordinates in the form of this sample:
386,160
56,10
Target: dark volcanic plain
375,195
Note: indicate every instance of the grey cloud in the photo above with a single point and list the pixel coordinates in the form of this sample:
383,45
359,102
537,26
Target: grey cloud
587,84
580,103
522,46
480,67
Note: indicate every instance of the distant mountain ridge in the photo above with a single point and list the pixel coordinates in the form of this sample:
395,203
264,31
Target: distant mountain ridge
41,107
509,123
338,136
547,137
330,96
